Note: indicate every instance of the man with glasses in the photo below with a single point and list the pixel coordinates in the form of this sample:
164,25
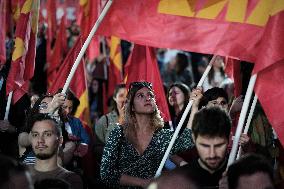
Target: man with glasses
46,138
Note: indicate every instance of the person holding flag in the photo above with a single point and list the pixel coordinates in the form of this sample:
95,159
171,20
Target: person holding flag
134,150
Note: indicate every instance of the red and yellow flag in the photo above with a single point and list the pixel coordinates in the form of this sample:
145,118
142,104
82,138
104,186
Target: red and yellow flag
23,57
78,84
115,65
251,31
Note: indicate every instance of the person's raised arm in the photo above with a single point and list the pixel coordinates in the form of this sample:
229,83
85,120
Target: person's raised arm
196,96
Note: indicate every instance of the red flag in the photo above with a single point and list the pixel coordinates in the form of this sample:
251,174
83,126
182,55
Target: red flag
115,66
3,9
89,15
270,80
142,66
78,84
23,57
51,27
233,70
59,51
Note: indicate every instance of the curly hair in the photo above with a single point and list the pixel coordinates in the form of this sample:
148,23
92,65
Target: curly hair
129,120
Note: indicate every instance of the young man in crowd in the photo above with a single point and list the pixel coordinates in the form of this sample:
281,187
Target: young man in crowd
46,137
211,130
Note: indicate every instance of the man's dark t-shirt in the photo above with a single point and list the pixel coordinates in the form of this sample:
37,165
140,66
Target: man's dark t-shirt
72,178
204,178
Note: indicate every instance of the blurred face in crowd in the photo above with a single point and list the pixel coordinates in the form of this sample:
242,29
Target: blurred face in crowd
220,101
43,107
120,98
144,101
259,180
95,86
45,141
219,62
67,107
176,97
211,151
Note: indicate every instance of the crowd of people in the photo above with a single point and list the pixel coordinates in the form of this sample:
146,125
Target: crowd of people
43,145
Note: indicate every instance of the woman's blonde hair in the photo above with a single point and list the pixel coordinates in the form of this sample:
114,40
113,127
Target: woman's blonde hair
129,120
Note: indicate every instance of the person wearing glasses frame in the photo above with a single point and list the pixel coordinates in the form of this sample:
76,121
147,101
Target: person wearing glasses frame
135,149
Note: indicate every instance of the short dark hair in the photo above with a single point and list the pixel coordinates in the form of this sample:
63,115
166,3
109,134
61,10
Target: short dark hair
213,94
41,117
248,165
212,122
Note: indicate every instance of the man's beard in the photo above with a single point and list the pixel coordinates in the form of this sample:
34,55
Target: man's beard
45,156
219,159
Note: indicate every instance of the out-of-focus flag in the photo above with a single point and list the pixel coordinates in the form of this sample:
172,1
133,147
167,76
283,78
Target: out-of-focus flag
142,66
233,70
3,9
89,15
59,51
51,27
78,84
115,65
23,57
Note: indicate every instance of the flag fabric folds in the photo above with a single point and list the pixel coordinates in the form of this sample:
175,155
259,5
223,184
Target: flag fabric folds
78,84
23,57
142,66
115,65
89,15
3,9
60,49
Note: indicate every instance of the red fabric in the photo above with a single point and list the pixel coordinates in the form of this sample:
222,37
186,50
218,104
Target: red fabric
270,80
59,51
51,27
233,70
140,22
270,91
89,12
3,9
142,66
65,68
22,65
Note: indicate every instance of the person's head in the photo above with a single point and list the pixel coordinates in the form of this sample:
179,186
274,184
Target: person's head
94,86
70,105
250,171
140,100
178,95
177,178
52,183
13,174
119,97
215,97
45,136
41,104
211,130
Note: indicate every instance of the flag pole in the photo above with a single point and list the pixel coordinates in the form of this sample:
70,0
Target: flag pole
248,121
85,46
242,119
185,113
8,105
